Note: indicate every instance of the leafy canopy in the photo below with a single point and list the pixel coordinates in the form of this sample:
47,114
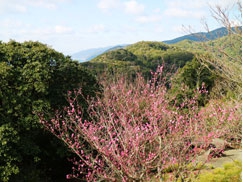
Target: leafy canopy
33,78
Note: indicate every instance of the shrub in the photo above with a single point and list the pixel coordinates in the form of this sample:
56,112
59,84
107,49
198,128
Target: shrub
225,118
230,172
133,132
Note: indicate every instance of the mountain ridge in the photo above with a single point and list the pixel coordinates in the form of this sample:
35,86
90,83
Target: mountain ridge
89,54
203,36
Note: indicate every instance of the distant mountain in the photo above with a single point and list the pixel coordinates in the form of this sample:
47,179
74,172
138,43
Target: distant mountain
87,55
203,36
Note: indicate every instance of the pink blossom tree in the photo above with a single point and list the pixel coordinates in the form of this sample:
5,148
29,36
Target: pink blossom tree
133,132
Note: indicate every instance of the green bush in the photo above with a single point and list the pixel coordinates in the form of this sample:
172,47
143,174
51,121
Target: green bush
35,78
230,172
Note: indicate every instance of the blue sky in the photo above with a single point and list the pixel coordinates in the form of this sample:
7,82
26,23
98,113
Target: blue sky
69,26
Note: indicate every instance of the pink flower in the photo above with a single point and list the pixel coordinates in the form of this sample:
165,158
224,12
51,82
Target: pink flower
68,176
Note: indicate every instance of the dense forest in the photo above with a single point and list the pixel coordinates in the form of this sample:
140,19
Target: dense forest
140,57
35,78
144,112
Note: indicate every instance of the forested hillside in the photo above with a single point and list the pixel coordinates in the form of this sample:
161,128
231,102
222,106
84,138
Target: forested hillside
222,57
139,57
35,78
145,56
204,36
89,54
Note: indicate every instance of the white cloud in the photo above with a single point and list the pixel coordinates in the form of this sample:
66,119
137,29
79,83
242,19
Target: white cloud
179,29
63,29
176,12
159,29
222,3
20,8
187,4
17,6
12,6
106,5
133,7
129,7
97,28
179,12
20,30
157,10
47,31
148,19
12,24
186,8
49,4
45,4
198,4
195,8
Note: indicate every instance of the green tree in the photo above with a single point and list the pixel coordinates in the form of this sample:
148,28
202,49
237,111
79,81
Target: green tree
225,54
34,78
193,78
194,74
